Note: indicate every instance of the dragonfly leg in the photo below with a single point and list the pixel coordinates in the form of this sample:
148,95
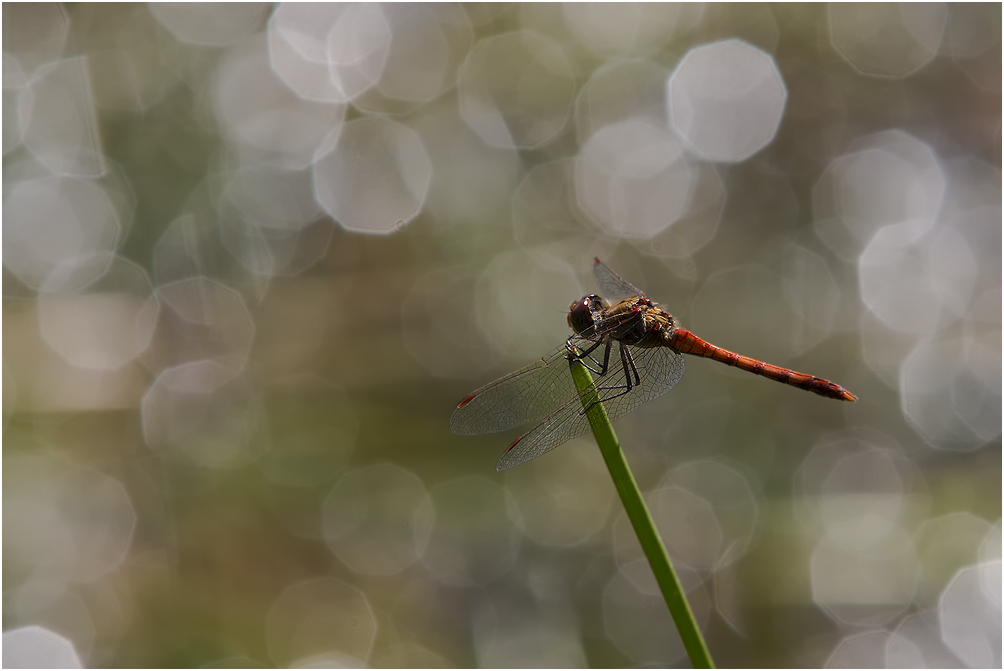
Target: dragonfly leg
630,371
601,368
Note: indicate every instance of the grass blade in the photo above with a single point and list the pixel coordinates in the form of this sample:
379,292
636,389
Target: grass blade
641,519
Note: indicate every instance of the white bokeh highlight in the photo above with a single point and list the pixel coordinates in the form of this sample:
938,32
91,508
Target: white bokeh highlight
515,300
199,411
470,178
38,648
970,616
376,179
274,199
620,90
264,117
883,179
43,29
201,320
427,44
917,284
916,643
321,623
50,222
331,52
106,324
516,90
860,493
209,24
863,580
633,179
887,39
69,524
382,534
947,544
865,650
726,100
61,126
717,490
609,29
950,392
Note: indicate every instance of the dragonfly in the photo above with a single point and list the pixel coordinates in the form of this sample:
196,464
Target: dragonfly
634,350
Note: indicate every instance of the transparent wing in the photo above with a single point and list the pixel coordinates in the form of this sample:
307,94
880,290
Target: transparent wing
524,396
659,370
613,287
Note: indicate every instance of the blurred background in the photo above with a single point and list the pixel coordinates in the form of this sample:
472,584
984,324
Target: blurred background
254,254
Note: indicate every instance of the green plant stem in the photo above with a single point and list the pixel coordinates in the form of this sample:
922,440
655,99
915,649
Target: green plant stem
641,519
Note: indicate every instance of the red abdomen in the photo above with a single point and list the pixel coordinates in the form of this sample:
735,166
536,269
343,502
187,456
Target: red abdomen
686,342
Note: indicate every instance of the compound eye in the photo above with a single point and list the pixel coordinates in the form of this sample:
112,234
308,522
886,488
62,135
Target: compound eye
580,314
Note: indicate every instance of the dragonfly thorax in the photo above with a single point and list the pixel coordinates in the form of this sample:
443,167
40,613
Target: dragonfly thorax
633,321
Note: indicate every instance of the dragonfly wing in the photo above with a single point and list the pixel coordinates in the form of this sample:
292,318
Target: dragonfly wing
565,423
524,396
613,287
659,370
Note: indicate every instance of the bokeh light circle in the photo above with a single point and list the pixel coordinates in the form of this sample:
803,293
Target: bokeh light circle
725,100
890,40
329,52
376,179
52,221
36,647
325,620
516,90
382,535
633,179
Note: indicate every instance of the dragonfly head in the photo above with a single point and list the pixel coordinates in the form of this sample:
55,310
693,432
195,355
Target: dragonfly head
580,313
